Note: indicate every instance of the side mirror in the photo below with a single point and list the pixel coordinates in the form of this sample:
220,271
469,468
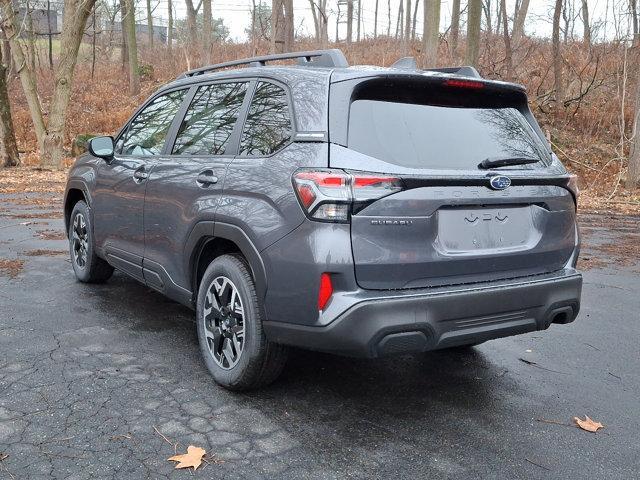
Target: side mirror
101,147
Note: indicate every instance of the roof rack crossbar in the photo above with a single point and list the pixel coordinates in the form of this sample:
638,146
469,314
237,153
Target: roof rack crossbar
313,58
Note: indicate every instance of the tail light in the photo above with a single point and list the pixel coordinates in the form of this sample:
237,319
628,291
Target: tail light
332,195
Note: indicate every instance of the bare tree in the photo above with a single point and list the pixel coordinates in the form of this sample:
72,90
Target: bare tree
8,147
486,6
633,6
207,31
375,21
633,173
281,25
400,22
359,17
585,23
50,133
474,19
132,48
192,23
455,24
415,15
170,26
557,57
407,24
124,54
320,21
508,56
388,18
518,21
149,24
349,21
431,30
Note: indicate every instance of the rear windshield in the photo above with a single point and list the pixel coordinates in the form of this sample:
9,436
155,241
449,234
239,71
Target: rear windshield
440,137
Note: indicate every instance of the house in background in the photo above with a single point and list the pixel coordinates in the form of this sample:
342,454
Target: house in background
44,18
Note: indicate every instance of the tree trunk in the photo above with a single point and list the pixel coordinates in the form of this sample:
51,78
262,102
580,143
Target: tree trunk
207,32
633,172
288,25
400,22
349,21
431,31
132,48
633,5
557,57
518,22
124,53
415,15
192,24
455,25
149,24
474,17
486,6
508,56
407,26
170,27
359,17
375,21
585,23
389,18
27,76
8,147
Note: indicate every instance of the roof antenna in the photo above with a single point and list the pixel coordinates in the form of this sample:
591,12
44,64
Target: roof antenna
406,63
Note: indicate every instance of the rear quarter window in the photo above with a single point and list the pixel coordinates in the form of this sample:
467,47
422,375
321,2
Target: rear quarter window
268,127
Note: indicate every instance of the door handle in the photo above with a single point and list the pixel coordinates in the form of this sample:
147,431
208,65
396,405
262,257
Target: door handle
206,178
140,175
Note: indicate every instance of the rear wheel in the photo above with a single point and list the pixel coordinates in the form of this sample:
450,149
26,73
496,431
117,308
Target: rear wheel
230,333
87,266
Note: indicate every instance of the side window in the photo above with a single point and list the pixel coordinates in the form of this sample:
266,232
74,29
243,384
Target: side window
268,125
147,132
209,121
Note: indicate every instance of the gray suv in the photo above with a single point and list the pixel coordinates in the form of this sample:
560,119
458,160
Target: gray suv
362,211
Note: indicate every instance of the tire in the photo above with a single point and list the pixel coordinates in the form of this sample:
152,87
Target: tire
232,340
87,266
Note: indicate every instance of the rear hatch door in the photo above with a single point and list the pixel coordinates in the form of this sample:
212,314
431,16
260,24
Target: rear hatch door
454,221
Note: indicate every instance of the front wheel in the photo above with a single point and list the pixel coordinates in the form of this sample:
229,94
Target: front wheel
87,266
230,333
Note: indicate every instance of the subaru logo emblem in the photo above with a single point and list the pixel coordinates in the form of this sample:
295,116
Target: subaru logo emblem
499,182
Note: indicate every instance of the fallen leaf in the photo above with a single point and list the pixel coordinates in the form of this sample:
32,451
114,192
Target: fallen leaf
193,458
588,424
3,456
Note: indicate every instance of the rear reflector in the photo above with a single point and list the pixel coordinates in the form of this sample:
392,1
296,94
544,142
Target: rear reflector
451,82
325,291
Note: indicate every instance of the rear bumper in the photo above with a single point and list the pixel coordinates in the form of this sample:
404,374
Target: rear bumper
429,320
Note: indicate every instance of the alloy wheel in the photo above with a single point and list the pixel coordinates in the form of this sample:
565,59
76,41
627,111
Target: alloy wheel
224,322
80,240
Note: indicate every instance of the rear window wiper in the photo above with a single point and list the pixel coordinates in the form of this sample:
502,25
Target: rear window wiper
506,162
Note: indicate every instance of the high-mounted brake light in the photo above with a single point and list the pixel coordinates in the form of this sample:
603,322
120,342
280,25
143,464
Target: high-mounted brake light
329,195
471,84
325,291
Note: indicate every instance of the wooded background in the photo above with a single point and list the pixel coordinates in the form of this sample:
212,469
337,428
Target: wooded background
70,69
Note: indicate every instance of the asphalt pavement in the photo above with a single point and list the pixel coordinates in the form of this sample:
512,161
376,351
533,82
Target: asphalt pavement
102,381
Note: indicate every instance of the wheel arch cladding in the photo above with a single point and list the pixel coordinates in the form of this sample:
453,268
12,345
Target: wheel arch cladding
226,239
73,196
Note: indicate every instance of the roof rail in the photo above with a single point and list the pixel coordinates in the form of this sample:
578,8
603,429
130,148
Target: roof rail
313,58
465,71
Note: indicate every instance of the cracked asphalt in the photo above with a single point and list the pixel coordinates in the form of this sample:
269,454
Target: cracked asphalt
87,372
